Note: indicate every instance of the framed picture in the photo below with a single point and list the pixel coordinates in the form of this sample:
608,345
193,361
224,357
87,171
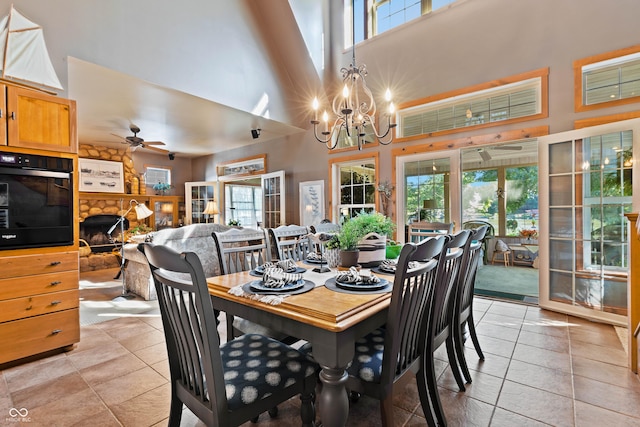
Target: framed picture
101,176
311,202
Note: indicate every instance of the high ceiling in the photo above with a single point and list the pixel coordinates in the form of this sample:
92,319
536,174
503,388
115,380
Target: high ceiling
109,102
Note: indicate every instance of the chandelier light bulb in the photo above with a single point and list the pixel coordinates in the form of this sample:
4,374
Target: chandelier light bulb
325,117
392,108
345,91
315,104
387,95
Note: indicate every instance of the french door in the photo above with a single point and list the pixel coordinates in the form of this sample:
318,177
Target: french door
273,199
587,182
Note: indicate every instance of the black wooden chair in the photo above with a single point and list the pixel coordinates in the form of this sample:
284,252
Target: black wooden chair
463,314
439,326
290,242
228,384
243,249
420,230
391,355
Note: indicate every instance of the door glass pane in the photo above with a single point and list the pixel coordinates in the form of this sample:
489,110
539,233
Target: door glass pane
426,190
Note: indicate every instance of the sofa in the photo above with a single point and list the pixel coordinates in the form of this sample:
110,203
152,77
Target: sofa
191,238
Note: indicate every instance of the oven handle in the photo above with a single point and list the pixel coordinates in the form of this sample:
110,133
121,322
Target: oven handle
33,172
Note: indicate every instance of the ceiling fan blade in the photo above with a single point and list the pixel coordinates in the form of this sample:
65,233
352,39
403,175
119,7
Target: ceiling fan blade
485,156
159,150
508,147
153,143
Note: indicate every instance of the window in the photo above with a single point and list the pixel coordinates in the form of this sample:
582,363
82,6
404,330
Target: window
608,79
353,184
157,175
243,203
377,16
506,102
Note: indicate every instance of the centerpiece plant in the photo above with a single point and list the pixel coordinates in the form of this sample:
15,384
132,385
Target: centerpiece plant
354,231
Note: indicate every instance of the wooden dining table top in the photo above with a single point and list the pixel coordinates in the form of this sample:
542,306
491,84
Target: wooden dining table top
320,307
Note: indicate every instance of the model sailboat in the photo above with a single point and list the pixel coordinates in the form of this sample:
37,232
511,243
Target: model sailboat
23,53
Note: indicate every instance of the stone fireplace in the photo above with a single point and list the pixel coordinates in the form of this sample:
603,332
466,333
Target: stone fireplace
95,231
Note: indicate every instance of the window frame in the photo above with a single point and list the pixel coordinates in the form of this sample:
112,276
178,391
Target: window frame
148,182
578,66
334,180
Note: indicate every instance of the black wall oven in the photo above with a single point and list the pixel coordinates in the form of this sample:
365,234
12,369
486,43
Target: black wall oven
36,201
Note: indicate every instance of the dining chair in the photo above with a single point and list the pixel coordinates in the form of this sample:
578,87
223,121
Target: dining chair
243,249
439,326
325,227
290,242
222,384
474,224
420,230
463,313
389,356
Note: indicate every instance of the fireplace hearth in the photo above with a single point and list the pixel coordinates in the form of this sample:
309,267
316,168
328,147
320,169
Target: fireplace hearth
94,231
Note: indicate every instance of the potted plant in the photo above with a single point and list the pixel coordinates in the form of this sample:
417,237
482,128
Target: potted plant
367,232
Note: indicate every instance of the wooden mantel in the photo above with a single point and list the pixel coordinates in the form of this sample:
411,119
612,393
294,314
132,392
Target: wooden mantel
634,290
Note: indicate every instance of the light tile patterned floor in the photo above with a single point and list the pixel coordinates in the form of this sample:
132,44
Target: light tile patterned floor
541,368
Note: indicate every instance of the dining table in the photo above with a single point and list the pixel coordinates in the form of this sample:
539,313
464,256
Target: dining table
329,318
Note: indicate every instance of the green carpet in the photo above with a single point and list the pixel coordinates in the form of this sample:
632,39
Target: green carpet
518,283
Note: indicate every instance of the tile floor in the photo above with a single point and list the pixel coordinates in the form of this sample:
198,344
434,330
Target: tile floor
541,368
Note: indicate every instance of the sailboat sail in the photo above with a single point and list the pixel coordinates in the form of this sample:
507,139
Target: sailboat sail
23,53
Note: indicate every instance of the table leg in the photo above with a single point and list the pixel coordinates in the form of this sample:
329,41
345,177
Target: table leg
333,401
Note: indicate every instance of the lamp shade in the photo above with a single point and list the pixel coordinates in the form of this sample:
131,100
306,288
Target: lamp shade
142,211
211,208
429,204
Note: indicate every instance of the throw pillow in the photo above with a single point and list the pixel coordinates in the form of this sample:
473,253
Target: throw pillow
501,246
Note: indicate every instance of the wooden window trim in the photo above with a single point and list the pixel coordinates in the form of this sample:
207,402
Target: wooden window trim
220,166
542,73
577,76
595,121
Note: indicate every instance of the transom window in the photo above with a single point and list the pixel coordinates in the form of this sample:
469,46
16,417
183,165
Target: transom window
374,17
608,79
157,175
507,102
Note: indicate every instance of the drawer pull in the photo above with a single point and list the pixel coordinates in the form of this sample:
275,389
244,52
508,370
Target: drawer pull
57,282
56,331
29,308
13,115
54,263
56,302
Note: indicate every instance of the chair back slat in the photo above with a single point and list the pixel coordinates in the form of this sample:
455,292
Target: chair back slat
241,249
404,337
290,241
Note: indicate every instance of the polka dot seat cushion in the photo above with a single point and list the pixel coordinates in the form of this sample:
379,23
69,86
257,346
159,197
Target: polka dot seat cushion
256,366
367,363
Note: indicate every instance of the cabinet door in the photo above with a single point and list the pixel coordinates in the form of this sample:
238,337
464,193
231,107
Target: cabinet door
38,120
166,211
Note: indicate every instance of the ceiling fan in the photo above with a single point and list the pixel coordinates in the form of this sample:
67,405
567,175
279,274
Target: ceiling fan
136,142
484,153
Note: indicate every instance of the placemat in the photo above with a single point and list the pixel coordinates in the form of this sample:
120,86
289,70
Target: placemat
331,284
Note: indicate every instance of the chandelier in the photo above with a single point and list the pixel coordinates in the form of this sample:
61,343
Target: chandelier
354,109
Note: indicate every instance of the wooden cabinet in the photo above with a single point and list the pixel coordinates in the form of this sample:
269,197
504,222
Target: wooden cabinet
38,303
168,211
37,120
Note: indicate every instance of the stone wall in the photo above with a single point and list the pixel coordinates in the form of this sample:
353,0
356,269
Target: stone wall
100,203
